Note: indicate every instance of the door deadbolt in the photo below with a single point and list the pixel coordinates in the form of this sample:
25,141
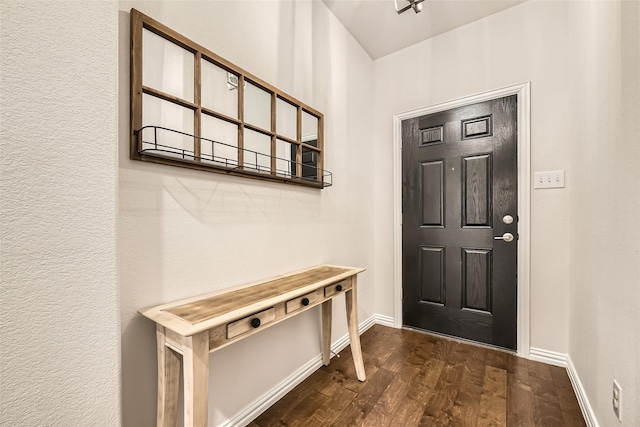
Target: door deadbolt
507,219
507,237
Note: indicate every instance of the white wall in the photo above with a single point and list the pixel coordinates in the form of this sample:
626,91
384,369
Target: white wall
185,232
60,334
604,342
501,50
582,61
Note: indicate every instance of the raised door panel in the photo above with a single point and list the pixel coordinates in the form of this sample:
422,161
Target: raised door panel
476,279
432,274
476,191
432,190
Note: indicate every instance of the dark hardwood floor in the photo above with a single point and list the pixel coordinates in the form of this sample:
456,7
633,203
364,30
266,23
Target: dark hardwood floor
416,379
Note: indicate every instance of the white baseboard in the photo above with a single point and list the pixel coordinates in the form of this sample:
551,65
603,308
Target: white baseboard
384,320
547,356
581,395
261,404
564,361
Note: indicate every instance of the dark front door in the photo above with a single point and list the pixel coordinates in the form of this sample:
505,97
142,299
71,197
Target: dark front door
459,211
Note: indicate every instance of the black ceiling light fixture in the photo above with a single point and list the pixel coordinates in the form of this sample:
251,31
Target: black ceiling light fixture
416,5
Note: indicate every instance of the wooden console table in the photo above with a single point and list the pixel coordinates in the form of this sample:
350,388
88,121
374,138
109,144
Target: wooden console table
194,327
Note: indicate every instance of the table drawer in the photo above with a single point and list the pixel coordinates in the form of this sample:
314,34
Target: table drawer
336,288
301,302
250,323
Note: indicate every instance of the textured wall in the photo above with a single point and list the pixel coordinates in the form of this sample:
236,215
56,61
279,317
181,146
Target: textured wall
605,207
60,354
183,233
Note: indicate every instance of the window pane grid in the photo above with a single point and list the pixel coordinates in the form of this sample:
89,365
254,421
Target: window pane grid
265,130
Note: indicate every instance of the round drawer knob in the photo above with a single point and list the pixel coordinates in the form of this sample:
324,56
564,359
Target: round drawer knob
305,301
255,322
339,288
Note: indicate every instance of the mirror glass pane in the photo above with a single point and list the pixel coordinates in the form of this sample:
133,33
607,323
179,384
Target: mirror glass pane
286,156
220,143
309,164
257,107
219,89
158,112
166,66
257,151
286,119
309,129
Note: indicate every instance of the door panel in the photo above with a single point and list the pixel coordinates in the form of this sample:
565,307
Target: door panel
459,180
433,191
432,274
476,191
476,279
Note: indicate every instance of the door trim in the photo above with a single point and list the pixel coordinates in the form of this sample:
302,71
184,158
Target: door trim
524,198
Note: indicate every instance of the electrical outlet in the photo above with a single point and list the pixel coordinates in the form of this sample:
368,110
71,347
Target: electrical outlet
550,179
617,400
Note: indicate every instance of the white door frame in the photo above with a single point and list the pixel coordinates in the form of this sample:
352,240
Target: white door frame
524,196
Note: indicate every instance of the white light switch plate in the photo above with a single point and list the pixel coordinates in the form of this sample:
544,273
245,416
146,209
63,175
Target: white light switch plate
549,179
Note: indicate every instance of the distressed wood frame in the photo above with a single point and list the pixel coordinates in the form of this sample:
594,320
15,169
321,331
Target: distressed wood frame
140,22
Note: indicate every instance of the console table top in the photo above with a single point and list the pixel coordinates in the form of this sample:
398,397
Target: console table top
190,316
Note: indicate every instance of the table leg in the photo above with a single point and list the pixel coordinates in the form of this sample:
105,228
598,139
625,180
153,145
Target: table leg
326,331
168,381
352,323
195,361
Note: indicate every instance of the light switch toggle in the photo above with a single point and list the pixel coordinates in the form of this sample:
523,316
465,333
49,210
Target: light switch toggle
507,237
507,219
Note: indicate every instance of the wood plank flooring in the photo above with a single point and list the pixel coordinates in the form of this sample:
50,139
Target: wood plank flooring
416,379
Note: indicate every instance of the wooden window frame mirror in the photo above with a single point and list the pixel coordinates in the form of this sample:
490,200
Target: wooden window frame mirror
303,161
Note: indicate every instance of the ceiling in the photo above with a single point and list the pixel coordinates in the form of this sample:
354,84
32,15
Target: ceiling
381,31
